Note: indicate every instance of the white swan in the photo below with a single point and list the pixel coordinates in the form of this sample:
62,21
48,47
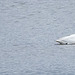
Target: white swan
67,40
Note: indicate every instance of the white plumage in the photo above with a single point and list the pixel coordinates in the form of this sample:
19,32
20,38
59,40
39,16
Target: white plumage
67,40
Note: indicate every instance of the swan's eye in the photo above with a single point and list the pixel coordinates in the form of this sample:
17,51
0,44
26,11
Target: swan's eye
66,43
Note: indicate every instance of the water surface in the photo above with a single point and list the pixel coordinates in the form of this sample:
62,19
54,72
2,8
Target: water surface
28,30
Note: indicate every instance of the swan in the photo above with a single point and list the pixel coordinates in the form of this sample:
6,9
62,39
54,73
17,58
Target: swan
67,40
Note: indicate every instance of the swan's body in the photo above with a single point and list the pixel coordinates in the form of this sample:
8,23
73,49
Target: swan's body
67,40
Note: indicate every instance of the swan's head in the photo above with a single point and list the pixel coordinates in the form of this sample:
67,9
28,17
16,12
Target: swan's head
62,42
67,40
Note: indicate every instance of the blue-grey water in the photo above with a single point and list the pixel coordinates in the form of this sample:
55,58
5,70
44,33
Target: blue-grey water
28,30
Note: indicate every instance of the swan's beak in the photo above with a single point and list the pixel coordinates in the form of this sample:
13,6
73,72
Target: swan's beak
59,41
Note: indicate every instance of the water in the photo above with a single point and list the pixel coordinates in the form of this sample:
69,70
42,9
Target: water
28,30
